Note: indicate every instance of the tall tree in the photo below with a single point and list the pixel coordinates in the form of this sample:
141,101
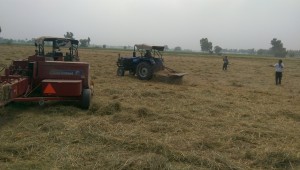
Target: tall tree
206,45
218,50
0,30
69,35
277,48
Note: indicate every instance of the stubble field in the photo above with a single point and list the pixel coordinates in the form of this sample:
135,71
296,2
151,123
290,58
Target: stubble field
212,119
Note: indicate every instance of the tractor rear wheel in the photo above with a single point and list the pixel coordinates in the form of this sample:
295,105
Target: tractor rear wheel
86,98
120,71
144,71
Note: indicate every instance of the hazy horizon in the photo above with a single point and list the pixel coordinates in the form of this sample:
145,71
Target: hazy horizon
230,24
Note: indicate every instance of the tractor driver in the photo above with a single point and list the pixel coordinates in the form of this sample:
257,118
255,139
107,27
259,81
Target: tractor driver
57,54
148,54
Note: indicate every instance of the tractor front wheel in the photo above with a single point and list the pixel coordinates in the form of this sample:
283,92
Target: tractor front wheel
144,71
86,98
120,71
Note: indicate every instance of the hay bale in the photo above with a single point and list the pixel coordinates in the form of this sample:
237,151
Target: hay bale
5,92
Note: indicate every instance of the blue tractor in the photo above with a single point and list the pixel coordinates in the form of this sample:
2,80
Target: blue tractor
146,60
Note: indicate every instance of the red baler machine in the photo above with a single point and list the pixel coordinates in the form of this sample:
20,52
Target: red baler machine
54,75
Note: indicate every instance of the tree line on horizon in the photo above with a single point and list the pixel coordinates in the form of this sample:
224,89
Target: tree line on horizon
276,49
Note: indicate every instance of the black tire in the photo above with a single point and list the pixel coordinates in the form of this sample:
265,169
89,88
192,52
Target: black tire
120,71
144,71
86,98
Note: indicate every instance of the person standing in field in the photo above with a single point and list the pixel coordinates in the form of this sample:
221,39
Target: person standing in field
278,72
225,63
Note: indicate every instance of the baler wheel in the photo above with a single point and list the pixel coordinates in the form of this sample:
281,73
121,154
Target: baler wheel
42,102
86,98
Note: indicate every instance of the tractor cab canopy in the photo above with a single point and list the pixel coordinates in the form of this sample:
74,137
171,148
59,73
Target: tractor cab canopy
148,47
58,41
53,46
148,50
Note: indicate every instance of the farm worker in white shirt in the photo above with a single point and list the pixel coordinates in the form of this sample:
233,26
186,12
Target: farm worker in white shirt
278,72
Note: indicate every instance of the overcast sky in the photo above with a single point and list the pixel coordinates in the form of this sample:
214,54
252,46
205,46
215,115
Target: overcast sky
241,24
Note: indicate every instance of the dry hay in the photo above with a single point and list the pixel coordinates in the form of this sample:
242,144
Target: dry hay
212,119
166,77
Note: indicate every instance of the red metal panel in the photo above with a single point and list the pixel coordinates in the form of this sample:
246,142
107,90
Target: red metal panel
54,87
14,87
19,87
64,71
